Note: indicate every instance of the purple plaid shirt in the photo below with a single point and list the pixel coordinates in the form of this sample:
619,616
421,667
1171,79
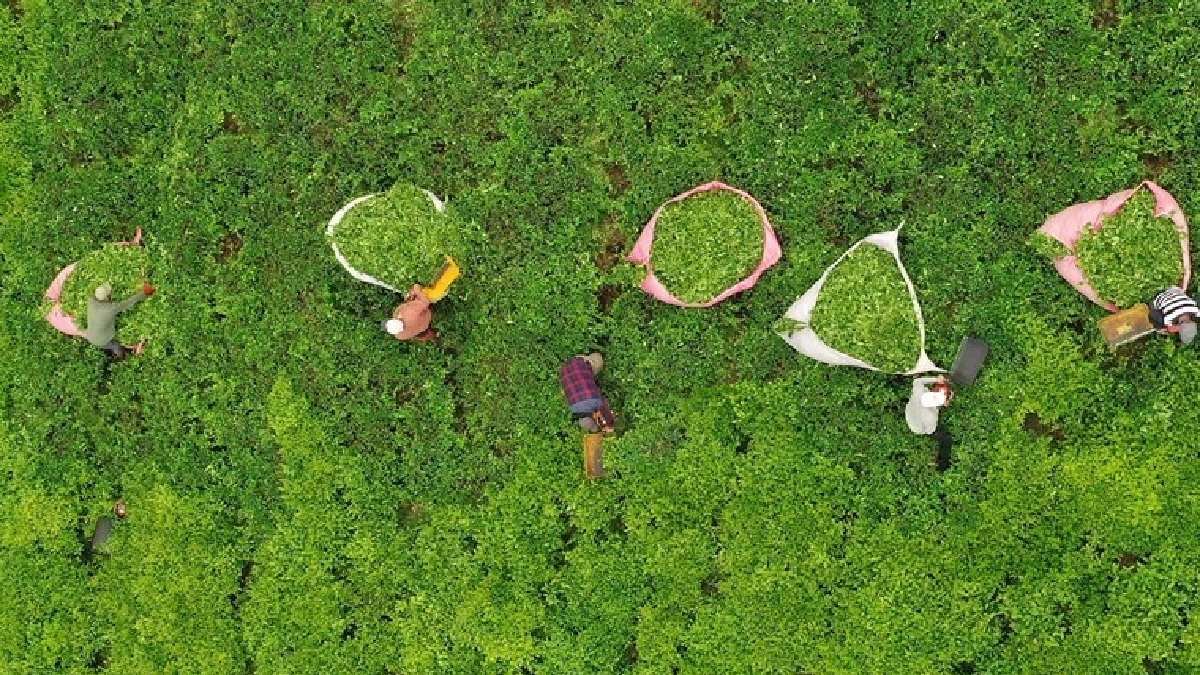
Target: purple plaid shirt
578,381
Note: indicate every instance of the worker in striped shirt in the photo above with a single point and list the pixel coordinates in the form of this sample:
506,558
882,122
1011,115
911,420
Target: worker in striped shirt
1172,311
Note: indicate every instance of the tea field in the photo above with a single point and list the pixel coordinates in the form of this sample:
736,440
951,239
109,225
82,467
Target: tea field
308,495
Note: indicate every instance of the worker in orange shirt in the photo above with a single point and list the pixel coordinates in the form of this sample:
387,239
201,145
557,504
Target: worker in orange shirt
412,318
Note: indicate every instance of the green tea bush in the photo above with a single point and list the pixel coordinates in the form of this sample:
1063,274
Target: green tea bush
1047,246
125,268
150,625
1134,255
706,243
865,310
398,237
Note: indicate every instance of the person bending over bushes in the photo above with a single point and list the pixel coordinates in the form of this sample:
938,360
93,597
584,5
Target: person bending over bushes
929,396
1172,311
102,314
589,407
587,402
411,318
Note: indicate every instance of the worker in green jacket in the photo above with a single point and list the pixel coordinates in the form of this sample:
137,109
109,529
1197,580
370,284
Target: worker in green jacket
102,314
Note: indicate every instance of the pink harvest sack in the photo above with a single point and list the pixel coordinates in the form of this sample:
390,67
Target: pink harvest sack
641,253
1067,225
63,322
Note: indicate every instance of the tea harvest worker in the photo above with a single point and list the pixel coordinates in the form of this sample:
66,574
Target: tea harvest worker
929,396
586,401
1172,311
411,318
102,314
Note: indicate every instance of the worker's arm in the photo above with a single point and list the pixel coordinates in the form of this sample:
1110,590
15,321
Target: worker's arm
131,301
1156,318
417,294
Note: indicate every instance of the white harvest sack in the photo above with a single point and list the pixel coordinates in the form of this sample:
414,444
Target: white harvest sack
805,340
337,218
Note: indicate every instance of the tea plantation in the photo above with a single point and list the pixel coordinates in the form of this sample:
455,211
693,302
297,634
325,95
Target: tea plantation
308,495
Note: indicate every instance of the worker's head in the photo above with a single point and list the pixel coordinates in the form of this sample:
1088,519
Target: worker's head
595,360
604,419
104,292
393,326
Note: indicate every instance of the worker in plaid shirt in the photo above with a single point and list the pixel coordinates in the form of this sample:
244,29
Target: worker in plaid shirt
587,402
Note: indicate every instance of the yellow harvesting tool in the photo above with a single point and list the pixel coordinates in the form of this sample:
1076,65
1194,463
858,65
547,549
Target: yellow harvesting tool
593,455
450,273
1126,325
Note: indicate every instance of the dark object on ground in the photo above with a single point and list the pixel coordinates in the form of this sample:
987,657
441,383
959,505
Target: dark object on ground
115,350
104,528
944,443
971,355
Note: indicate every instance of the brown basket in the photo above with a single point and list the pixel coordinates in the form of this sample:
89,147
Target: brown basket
593,455
1126,325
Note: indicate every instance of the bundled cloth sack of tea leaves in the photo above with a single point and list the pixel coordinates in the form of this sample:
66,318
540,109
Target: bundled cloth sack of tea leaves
399,237
1133,255
706,243
123,267
1116,251
865,310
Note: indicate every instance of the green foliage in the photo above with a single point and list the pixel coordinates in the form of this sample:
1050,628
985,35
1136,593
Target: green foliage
865,310
306,495
172,573
1134,255
784,326
398,237
44,606
1048,247
706,243
125,268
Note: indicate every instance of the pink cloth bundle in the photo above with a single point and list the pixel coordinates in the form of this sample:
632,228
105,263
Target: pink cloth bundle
1067,225
641,253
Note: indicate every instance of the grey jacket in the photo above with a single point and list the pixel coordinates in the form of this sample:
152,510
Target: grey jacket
102,318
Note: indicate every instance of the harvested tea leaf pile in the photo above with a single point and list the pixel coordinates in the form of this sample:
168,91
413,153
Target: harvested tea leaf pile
1133,255
398,237
123,267
865,310
706,243
1048,247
